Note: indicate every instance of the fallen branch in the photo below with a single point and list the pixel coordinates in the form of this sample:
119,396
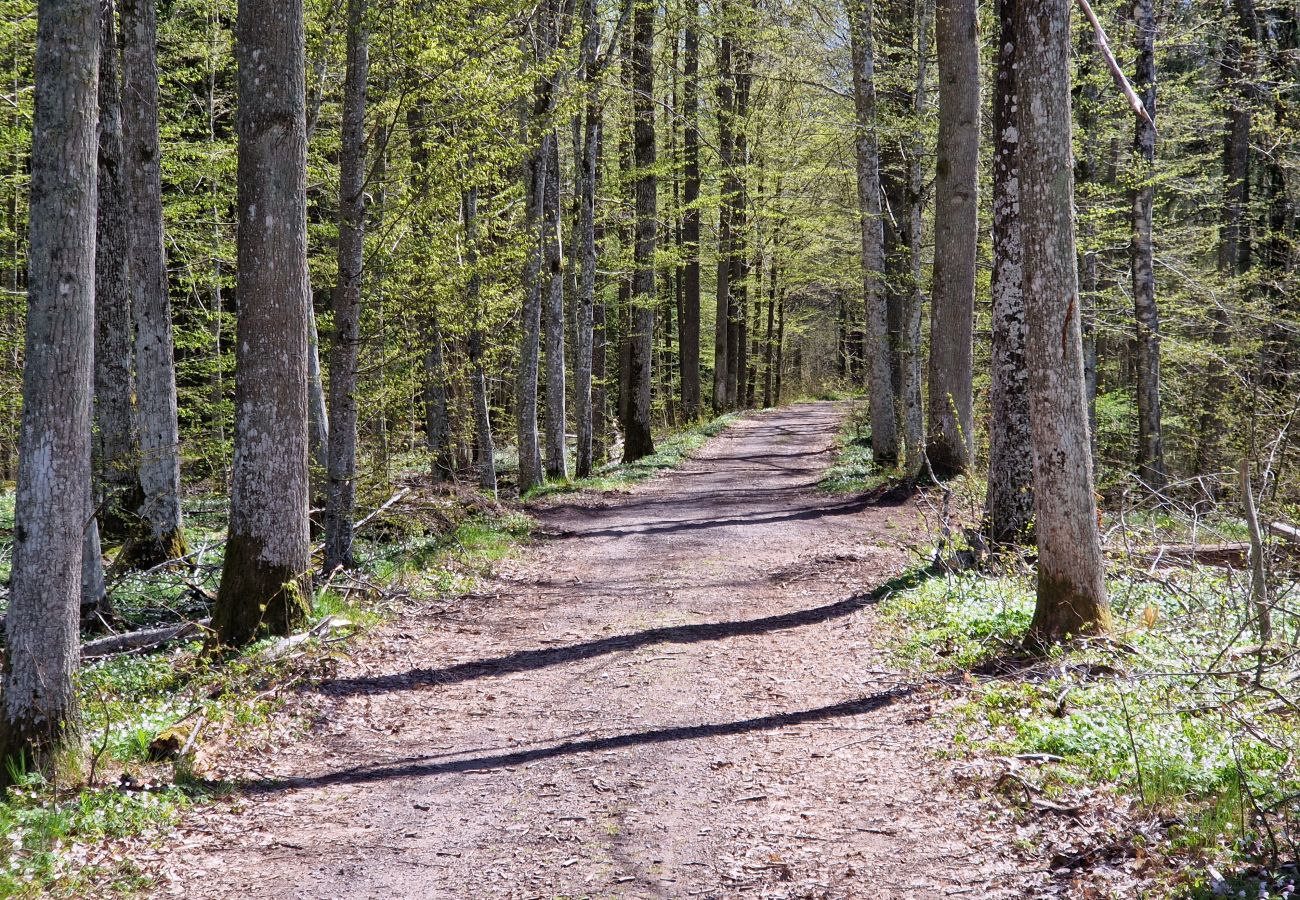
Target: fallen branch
137,641
324,626
1121,80
387,504
1288,533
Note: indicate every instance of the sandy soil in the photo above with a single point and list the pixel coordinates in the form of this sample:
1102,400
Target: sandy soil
679,692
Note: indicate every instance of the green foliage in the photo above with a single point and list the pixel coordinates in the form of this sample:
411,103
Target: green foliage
1167,711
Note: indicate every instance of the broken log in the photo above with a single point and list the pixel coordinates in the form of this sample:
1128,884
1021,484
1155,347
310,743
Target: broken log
137,641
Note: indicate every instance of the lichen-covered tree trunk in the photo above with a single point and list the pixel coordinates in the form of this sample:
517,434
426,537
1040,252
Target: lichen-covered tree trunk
341,468
638,439
1151,447
1071,569
115,447
950,441
880,372
689,343
265,581
553,324
160,536
39,722
1009,504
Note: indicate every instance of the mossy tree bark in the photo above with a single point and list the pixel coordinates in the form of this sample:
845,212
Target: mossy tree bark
265,582
1071,569
39,722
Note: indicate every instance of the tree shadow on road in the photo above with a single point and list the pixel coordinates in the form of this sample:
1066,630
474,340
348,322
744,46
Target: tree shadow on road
424,766
531,660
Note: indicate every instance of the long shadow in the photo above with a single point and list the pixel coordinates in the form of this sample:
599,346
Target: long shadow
422,766
531,660
808,513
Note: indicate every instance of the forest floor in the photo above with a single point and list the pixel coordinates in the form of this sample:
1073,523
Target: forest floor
681,691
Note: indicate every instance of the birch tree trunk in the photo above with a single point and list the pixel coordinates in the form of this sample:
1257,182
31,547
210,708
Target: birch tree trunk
265,581
116,446
1009,504
951,436
160,535
1071,569
638,440
1151,449
880,374
341,470
39,726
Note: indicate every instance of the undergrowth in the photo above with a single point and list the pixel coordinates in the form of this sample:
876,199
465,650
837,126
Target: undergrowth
1177,709
853,471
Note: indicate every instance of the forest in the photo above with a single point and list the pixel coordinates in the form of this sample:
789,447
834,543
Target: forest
603,448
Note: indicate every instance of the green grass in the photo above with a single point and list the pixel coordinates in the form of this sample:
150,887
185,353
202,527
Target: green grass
1136,715
853,471
671,451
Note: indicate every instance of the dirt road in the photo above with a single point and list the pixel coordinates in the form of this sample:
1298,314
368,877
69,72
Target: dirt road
679,693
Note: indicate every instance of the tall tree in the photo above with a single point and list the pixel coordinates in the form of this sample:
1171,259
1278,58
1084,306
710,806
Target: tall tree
951,438
160,536
689,343
588,165
1151,446
1009,504
39,722
341,472
880,374
722,349
265,580
557,464
638,440
1071,569
115,438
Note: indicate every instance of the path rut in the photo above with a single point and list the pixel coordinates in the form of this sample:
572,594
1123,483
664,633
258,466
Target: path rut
680,692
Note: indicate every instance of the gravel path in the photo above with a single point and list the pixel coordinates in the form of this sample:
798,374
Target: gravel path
678,693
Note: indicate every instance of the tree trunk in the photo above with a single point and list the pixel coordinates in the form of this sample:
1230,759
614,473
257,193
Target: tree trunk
1009,504
722,349
318,424
265,583
689,344
1071,569
910,388
1151,450
115,438
39,725
530,453
341,470
587,164
880,375
160,534
557,464
951,437
638,440
486,462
